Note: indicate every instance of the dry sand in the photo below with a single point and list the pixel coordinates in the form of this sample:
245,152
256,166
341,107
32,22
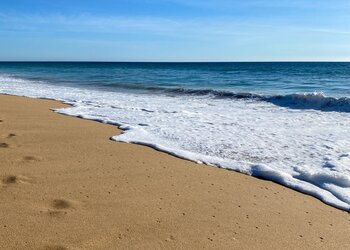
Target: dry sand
65,185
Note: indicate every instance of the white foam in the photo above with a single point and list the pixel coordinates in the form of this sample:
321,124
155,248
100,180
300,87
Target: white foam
307,150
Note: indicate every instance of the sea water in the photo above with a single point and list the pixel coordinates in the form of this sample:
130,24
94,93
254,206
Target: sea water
285,122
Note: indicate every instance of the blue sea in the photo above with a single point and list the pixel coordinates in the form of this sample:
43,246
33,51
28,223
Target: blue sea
285,122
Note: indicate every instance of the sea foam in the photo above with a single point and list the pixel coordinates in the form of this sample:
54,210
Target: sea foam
303,148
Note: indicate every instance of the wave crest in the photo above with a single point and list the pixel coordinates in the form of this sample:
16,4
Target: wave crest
316,100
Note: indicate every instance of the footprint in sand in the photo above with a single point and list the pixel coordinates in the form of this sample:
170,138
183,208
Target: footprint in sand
8,136
61,204
3,145
14,179
55,247
60,207
11,135
30,158
11,179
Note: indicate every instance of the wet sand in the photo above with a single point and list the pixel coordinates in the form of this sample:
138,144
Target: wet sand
65,185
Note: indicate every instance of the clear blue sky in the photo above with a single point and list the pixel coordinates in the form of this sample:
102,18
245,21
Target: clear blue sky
175,30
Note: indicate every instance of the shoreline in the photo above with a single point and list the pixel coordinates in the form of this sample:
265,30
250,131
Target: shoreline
65,184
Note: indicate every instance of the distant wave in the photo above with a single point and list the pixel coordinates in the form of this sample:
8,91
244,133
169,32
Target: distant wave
316,100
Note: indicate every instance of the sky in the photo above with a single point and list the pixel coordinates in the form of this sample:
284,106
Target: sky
175,30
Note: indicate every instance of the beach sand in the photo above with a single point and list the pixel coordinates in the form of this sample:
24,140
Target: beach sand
65,185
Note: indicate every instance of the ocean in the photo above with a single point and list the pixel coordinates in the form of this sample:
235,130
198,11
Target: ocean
285,122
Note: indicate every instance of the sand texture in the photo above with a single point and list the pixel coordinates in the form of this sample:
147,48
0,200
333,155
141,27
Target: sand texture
65,185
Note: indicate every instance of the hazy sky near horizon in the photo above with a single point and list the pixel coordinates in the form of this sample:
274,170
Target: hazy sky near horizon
175,30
